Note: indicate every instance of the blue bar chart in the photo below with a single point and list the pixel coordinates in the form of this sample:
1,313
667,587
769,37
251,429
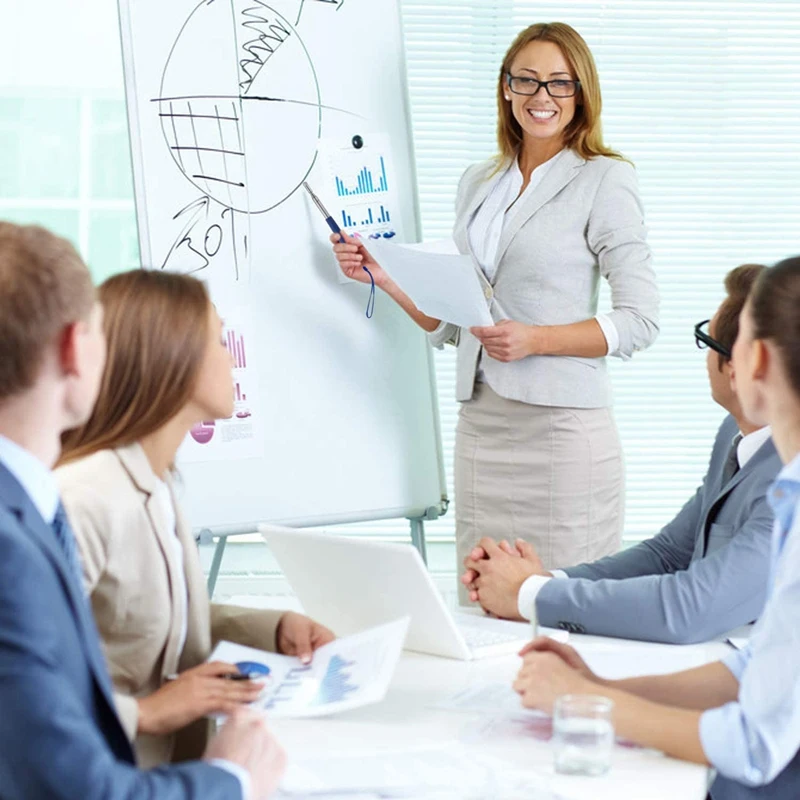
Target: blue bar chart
365,182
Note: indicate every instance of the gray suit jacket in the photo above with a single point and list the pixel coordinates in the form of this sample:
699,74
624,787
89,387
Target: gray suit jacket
703,574
583,221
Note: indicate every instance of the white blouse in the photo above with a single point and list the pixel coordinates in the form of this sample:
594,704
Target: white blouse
164,500
501,204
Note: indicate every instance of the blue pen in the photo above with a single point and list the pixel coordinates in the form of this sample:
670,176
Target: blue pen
338,231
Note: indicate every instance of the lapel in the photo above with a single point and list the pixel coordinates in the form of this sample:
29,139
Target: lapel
566,168
16,499
766,451
135,463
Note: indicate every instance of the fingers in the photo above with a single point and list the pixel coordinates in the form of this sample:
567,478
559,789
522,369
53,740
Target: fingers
321,636
213,669
477,554
525,549
507,548
489,547
468,577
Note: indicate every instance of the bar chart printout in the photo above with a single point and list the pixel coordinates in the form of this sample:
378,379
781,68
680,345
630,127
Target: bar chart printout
349,673
359,187
239,435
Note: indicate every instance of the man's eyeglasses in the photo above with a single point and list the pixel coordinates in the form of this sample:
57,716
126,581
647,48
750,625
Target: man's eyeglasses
703,339
521,84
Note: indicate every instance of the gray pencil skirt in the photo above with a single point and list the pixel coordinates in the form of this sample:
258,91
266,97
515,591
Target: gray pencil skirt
552,476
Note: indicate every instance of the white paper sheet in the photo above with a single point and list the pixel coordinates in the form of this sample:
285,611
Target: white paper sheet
498,699
348,673
440,772
444,287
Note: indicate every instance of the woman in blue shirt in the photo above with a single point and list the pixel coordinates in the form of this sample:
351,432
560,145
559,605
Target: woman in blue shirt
740,715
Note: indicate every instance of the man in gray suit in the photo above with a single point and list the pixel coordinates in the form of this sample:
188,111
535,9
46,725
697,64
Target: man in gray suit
703,574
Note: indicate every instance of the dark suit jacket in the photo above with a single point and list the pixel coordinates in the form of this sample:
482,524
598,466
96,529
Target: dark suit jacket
59,734
705,573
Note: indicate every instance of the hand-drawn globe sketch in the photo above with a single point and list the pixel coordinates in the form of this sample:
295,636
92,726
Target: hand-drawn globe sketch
239,104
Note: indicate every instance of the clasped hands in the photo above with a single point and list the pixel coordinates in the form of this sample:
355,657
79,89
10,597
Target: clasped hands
495,571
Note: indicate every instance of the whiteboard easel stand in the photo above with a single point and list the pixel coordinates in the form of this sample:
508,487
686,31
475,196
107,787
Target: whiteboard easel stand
206,537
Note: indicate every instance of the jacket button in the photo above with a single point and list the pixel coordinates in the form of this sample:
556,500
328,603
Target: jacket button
487,292
565,626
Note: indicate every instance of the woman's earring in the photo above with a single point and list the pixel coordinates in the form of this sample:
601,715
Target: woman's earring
507,97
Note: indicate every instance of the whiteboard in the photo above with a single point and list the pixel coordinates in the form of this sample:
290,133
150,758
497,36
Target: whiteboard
232,104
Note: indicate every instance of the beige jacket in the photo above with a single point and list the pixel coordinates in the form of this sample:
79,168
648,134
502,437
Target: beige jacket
129,570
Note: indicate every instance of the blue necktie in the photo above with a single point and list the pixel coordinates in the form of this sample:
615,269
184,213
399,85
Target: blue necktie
66,539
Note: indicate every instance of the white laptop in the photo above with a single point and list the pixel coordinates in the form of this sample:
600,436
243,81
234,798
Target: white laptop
350,584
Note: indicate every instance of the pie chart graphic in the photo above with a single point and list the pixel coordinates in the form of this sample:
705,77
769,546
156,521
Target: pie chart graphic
203,432
239,105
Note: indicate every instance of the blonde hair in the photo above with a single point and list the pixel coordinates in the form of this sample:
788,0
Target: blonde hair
584,133
156,328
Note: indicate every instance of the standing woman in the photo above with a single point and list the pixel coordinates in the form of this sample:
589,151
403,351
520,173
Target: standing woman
740,715
167,369
538,455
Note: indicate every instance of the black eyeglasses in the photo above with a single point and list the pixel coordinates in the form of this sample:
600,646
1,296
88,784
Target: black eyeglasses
521,84
704,339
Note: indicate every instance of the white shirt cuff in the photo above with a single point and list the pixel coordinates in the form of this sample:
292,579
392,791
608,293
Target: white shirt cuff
559,573
610,332
526,599
240,773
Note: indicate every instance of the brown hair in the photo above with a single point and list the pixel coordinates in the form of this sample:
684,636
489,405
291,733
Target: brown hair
584,133
44,287
775,304
738,283
156,327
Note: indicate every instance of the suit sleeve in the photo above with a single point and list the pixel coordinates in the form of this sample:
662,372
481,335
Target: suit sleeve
713,595
247,626
617,235
51,746
669,551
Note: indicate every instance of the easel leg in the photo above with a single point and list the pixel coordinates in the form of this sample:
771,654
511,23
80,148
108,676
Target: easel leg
418,536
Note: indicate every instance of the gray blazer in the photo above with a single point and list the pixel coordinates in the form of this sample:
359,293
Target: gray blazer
582,221
705,573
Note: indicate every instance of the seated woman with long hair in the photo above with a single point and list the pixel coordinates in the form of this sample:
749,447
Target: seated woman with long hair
167,369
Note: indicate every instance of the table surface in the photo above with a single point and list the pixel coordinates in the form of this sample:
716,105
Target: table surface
407,717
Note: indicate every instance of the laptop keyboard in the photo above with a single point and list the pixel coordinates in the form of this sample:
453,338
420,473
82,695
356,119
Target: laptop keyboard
479,636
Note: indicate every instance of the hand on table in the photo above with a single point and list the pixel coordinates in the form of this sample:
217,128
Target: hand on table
246,741
195,693
546,675
495,572
353,257
569,655
299,636
508,340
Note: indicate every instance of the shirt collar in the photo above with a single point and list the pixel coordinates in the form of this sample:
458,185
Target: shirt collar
35,478
750,444
784,494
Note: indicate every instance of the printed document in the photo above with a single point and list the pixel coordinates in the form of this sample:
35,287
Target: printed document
344,674
444,287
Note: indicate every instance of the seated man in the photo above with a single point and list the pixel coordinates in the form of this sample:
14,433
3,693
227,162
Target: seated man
703,574
60,737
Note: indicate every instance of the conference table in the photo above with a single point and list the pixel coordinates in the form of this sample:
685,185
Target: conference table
409,716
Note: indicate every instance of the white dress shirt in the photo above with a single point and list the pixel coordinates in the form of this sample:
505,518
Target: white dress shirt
529,591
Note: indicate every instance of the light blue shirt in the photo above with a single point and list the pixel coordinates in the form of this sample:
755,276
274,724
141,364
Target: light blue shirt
33,476
752,740
40,485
